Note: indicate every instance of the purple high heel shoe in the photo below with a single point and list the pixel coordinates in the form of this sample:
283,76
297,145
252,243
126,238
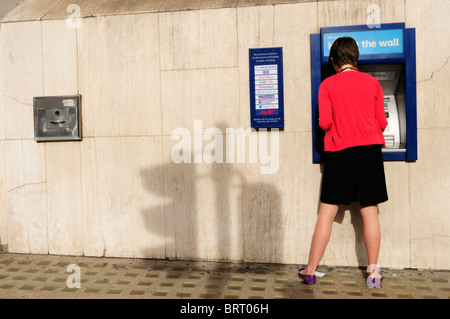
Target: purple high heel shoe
309,279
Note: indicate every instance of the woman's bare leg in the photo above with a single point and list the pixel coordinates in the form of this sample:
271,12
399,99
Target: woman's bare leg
372,232
321,236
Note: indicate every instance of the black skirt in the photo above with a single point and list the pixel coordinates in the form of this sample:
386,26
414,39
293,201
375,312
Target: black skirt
354,174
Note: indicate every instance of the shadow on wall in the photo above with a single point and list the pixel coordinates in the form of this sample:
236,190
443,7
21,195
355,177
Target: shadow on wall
357,223
213,213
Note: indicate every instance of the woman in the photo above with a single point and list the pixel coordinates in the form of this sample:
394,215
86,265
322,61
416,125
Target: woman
351,111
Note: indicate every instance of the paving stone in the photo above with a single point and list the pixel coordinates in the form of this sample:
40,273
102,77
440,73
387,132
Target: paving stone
40,278
131,274
397,286
49,287
92,290
137,292
161,293
167,283
379,293
439,279
326,282
349,283
329,291
234,287
416,279
404,295
258,288
422,287
354,292
189,284
184,294
260,279
237,278
6,286
114,291
32,270
111,273
194,276
145,283
27,287
208,295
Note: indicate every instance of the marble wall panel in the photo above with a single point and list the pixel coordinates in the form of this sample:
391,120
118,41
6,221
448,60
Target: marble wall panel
26,197
59,47
22,80
198,39
3,212
433,60
3,215
122,215
206,95
64,198
2,118
429,189
119,75
395,250
60,77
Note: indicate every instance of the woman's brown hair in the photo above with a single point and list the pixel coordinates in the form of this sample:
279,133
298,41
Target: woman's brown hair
344,51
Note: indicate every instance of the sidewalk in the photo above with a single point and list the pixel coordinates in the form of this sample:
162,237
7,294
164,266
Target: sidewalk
46,277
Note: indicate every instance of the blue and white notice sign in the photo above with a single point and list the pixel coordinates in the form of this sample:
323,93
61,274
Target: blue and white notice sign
266,88
373,42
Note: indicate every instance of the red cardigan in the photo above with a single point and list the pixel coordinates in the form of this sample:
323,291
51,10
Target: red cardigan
351,110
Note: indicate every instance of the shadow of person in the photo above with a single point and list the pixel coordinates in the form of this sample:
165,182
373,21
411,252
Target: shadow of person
234,220
263,224
179,202
358,227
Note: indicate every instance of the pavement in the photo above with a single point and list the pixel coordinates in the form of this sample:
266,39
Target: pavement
24,276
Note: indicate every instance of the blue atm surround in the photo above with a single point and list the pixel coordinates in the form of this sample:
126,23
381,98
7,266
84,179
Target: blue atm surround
374,52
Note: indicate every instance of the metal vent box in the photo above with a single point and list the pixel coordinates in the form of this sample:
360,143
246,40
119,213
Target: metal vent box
57,118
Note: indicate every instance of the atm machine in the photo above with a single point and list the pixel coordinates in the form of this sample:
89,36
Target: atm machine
388,54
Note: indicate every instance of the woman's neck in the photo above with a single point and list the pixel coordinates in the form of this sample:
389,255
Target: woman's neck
347,67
